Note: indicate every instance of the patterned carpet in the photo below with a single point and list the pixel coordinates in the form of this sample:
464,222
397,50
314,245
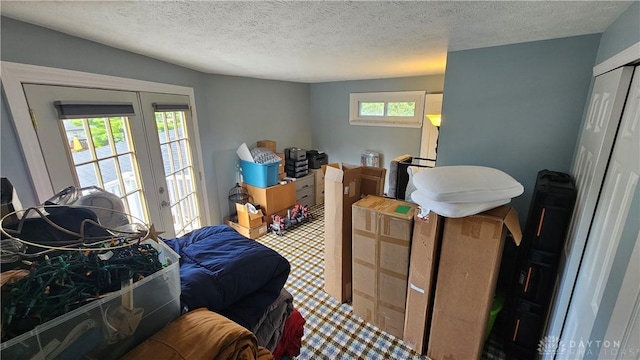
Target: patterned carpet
332,331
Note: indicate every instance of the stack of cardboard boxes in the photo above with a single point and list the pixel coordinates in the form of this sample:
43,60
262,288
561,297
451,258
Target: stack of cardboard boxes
452,281
381,243
344,186
249,225
428,281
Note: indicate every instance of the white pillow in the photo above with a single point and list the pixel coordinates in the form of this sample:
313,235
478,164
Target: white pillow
466,184
454,210
411,170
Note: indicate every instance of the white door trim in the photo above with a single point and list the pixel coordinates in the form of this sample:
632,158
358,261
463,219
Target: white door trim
15,74
624,57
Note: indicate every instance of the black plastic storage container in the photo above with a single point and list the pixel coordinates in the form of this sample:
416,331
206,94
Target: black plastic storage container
544,236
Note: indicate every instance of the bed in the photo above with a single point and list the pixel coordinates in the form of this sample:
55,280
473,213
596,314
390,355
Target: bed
229,274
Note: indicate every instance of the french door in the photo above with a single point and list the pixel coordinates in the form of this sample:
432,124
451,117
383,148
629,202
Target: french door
135,145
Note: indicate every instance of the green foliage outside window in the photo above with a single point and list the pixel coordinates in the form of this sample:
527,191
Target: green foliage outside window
401,108
99,130
393,109
171,117
372,109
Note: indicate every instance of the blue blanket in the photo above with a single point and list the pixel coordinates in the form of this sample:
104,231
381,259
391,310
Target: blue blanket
228,273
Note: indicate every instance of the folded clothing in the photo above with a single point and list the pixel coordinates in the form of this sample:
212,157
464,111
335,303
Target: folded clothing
200,334
466,184
291,341
270,327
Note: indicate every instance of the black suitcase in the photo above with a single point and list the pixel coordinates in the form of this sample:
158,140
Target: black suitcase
547,224
550,211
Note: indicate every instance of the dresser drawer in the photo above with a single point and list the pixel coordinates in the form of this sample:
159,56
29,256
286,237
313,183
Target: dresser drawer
305,182
306,197
306,193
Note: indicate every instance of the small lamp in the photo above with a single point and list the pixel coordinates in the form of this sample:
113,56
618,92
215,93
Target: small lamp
435,119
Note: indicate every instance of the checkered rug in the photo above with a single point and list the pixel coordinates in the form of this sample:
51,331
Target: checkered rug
332,331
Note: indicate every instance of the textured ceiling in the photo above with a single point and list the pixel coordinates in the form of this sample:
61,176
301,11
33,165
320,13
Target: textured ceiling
314,41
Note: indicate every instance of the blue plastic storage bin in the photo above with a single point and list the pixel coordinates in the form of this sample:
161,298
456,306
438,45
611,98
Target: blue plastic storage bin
260,175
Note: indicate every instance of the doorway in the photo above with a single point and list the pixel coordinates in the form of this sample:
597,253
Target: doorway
134,144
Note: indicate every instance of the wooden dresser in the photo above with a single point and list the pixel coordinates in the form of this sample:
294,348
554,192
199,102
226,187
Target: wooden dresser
305,190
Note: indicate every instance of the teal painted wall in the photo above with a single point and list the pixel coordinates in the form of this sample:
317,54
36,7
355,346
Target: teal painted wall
231,110
622,33
517,108
343,142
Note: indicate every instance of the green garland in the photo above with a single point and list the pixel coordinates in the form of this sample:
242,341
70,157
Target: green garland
63,283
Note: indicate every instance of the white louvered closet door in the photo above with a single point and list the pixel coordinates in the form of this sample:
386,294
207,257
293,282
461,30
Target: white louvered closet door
589,167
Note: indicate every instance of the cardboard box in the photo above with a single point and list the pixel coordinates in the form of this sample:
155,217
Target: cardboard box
269,144
250,233
342,189
382,230
423,264
333,165
247,219
281,167
466,281
371,178
274,199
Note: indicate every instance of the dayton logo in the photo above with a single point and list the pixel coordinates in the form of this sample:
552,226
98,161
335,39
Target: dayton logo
550,345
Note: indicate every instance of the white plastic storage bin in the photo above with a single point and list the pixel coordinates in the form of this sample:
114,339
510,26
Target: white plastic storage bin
370,158
105,328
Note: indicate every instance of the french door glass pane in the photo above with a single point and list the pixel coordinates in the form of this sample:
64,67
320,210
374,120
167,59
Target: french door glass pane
87,175
120,135
100,137
102,154
178,168
134,205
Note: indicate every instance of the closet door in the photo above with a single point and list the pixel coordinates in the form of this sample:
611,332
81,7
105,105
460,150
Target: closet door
92,137
617,226
594,148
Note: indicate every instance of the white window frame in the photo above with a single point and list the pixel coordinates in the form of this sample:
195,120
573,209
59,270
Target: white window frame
414,121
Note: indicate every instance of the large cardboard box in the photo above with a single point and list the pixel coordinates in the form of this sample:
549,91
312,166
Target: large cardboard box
382,230
276,199
423,264
342,188
466,281
269,144
248,219
371,178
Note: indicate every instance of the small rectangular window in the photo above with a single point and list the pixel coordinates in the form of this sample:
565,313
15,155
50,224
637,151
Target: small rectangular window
401,108
371,109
